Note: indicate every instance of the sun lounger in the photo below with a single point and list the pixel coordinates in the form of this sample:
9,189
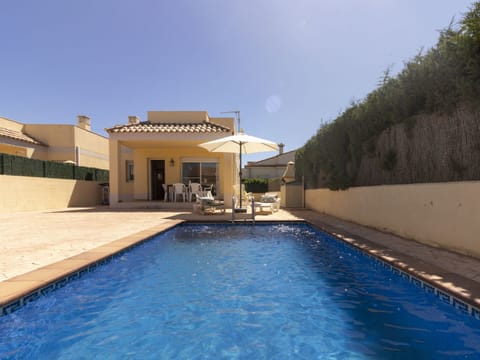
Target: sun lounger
270,203
208,205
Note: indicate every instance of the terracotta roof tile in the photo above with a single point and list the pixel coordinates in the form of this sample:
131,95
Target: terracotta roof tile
148,127
17,135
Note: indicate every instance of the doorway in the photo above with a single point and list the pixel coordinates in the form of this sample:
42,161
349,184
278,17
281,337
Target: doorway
157,171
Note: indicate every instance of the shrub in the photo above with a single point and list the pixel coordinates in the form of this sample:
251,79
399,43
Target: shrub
255,185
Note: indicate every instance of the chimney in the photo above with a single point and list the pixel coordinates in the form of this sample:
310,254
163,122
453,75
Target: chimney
132,120
280,148
84,122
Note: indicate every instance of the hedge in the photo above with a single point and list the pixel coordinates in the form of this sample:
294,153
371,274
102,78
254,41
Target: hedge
437,81
255,185
21,166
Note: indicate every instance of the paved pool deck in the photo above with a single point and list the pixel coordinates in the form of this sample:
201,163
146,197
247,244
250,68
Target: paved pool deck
37,248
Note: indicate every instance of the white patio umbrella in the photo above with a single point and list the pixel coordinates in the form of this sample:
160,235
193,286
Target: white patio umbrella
240,143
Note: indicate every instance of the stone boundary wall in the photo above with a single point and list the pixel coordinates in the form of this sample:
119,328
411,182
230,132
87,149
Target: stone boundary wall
445,215
24,193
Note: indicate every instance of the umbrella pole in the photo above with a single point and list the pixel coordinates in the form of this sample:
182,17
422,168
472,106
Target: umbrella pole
240,175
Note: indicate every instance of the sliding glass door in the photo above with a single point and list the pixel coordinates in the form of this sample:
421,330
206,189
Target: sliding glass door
203,172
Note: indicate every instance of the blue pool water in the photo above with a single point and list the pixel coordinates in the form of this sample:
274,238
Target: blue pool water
240,292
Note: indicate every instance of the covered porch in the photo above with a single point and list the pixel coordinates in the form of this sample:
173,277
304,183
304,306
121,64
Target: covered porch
148,158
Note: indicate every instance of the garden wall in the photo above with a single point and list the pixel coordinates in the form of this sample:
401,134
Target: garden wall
25,193
439,214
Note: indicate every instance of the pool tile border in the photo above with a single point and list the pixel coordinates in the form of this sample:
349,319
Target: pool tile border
415,277
442,295
31,289
23,289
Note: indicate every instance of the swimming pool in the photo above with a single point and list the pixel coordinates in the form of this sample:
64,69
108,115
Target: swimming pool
238,291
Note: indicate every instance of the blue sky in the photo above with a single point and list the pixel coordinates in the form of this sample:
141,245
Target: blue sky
286,65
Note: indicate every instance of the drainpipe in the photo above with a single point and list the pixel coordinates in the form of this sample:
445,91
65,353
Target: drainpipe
77,155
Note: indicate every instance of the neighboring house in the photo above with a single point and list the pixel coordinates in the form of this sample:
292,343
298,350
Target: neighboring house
55,142
147,156
270,168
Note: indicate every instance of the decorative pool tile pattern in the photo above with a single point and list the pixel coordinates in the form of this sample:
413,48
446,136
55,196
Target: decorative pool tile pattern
460,305
476,313
429,288
12,306
17,304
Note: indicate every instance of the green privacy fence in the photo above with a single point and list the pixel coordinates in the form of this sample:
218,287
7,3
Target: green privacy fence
255,185
21,166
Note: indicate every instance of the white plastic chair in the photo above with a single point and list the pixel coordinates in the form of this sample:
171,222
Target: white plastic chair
179,189
208,191
194,189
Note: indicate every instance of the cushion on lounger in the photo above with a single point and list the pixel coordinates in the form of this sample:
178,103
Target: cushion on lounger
269,199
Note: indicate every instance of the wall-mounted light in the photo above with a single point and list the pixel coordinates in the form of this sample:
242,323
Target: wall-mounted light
172,162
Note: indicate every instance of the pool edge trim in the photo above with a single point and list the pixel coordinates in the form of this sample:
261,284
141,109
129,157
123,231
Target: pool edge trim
402,265
34,285
22,289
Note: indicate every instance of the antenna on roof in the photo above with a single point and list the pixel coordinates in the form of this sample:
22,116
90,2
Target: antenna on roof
237,114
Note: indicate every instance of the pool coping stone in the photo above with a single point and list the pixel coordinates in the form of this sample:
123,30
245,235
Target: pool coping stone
21,286
25,287
460,288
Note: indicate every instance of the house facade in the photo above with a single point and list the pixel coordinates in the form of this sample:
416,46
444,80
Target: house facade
270,168
55,142
148,157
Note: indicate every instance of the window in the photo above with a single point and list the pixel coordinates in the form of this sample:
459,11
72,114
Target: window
203,172
129,170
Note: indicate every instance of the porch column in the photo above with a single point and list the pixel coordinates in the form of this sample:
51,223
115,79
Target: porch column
114,174
230,176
